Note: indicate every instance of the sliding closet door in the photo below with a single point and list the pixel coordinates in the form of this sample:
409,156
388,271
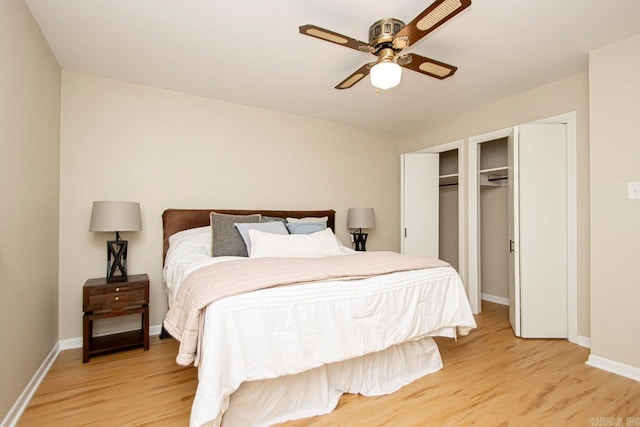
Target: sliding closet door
542,195
420,203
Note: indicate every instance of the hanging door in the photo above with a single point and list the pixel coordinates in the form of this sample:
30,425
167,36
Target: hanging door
543,230
420,203
538,212
513,231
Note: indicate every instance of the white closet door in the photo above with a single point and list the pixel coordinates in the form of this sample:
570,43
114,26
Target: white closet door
513,231
420,199
542,245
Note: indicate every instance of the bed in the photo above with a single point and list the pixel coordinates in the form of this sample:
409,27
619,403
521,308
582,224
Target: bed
323,326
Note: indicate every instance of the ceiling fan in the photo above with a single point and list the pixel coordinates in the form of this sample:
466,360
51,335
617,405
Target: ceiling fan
388,37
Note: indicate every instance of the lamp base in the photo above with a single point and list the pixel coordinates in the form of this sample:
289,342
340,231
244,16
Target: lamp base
116,260
117,279
360,241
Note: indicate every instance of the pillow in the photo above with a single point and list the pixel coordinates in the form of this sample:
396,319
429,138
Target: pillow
309,219
274,227
272,219
343,248
187,234
305,227
185,247
189,244
315,245
226,240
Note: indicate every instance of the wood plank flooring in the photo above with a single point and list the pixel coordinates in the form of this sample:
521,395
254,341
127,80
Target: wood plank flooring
490,378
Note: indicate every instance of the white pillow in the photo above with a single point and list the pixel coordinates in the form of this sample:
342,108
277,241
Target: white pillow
186,246
188,234
309,219
320,244
273,227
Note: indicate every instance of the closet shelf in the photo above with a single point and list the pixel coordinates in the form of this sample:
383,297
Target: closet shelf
449,179
501,171
494,177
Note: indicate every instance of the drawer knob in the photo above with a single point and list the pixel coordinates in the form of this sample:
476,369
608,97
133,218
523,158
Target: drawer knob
117,289
117,298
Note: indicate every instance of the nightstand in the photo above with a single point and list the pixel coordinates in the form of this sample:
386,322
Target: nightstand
102,300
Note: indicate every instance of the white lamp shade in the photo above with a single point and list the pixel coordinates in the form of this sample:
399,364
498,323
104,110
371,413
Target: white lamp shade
360,218
115,216
385,75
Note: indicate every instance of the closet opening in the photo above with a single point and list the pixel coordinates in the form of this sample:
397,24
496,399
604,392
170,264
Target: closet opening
537,170
449,208
494,236
433,203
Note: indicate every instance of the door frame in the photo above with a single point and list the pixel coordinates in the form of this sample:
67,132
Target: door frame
462,202
570,120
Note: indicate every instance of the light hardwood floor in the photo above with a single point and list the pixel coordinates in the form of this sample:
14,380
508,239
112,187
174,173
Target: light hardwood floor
489,378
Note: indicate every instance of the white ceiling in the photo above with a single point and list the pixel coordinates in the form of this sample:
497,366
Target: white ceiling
250,51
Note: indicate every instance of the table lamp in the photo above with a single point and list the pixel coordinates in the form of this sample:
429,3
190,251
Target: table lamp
116,217
359,218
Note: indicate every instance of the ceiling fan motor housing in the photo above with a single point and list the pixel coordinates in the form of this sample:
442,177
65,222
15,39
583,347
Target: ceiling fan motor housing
382,32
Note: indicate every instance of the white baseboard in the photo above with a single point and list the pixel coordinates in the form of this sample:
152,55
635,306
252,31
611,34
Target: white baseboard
614,367
14,414
494,298
584,341
155,330
70,343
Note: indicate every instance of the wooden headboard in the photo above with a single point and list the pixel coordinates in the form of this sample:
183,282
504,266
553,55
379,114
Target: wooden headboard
174,220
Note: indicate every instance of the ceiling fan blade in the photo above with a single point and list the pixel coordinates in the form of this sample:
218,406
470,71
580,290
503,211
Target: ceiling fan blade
333,37
431,18
356,76
429,66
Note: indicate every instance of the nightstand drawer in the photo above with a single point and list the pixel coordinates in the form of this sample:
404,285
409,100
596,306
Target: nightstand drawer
100,295
116,300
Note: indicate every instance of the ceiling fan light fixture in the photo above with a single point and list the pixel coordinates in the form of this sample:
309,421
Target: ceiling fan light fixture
386,75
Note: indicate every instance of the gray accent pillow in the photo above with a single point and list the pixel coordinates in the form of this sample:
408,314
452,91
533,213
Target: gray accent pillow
225,237
272,219
305,227
273,227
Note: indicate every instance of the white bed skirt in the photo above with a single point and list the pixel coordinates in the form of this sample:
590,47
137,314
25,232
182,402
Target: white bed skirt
317,391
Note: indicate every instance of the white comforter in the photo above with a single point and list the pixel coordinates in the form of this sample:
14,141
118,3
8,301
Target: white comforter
264,351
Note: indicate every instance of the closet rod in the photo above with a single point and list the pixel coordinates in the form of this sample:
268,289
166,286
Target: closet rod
447,185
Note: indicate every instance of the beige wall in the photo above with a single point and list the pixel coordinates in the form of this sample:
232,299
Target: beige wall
494,249
29,143
448,227
121,141
563,96
614,84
